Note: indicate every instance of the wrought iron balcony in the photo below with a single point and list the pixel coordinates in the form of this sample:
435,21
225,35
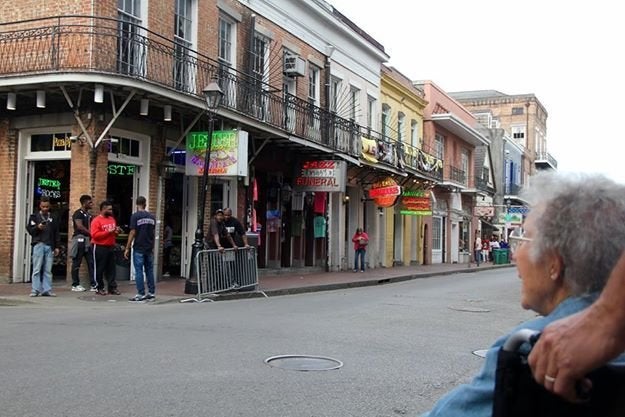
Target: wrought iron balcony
101,45
545,160
456,175
423,162
482,185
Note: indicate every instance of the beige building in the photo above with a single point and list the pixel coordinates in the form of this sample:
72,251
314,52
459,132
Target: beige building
522,116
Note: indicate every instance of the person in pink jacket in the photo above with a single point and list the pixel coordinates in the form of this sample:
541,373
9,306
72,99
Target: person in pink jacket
361,240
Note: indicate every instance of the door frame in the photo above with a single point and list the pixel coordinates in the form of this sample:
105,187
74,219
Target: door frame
24,195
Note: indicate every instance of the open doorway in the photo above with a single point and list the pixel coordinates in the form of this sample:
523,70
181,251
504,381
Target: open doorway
52,179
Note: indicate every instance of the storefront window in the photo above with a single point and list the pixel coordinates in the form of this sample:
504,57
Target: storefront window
120,191
50,142
124,146
437,233
178,156
464,236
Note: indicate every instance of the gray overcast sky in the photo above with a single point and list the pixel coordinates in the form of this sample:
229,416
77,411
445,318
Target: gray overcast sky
569,54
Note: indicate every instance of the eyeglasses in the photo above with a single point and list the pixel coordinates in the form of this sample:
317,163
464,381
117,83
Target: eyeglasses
516,239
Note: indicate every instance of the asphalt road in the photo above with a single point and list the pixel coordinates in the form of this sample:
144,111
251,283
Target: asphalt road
402,345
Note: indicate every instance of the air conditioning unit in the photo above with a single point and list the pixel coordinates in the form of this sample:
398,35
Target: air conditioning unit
294,66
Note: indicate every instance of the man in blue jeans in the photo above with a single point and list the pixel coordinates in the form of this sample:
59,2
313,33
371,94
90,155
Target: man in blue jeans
141,239
45,239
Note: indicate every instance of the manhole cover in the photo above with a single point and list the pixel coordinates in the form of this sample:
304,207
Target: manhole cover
304,362
481,353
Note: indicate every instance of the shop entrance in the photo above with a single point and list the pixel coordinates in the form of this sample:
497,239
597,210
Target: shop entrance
51,179
174,204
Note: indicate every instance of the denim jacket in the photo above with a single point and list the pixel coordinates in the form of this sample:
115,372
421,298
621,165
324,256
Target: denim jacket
475,399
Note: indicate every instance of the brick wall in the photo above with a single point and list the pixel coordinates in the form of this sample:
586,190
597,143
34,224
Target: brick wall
8,164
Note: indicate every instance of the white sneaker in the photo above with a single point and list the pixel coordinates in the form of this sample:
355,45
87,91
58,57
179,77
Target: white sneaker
78,288
166,274
93,289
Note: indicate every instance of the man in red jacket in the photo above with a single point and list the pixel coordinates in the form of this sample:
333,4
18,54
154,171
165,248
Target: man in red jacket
104,230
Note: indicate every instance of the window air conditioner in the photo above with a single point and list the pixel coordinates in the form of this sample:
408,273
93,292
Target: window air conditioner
294,66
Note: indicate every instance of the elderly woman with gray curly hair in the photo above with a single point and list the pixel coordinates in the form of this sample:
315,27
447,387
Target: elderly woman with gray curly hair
563,258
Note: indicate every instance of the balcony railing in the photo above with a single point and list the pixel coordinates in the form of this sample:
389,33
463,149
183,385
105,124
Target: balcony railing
482,185
546,157
456,175
110,46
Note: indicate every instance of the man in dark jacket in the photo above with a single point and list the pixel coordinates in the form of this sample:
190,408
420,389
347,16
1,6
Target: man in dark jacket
218,236
44,230
235,228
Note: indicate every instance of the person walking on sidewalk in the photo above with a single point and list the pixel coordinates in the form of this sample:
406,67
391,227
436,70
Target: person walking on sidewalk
141,239
477,248
81,243
104,230
45,242
361,240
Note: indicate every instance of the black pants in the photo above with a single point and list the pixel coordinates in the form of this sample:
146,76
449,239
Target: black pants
82,252
104,258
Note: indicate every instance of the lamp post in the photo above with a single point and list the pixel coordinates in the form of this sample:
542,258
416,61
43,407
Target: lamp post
213,95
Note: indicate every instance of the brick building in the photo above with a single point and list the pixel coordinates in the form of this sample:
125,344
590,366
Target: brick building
106,98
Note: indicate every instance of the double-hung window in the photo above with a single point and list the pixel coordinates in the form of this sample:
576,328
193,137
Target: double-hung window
183,61
130,42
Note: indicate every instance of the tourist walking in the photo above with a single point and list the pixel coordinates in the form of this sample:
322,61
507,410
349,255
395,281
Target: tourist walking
361,240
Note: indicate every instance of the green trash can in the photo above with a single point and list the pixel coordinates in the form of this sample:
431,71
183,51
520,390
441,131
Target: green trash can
506,253
499,256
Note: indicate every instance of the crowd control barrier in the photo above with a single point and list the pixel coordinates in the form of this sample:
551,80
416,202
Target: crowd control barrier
230,270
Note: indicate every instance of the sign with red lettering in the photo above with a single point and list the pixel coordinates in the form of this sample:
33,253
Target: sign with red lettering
324,175
384,193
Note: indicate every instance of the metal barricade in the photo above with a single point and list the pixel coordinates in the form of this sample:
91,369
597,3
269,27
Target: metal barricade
232,269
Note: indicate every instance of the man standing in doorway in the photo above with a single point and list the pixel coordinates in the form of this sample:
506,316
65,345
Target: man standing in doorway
45,239
104,230
81,243
141,239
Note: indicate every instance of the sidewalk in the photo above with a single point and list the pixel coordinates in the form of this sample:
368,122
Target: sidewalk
172,289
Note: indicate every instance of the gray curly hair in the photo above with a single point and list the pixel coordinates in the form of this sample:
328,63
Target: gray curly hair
582,218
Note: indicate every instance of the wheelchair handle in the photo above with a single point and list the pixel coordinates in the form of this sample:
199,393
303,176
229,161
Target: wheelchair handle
520,337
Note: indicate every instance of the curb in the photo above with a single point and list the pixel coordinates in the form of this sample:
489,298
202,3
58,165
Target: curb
339,285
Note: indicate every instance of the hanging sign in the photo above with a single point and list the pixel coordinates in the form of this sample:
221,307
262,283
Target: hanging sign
320,176
385,192
484,211
416,203
512,218
228,155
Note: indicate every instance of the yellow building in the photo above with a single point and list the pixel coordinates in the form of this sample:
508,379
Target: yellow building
402,124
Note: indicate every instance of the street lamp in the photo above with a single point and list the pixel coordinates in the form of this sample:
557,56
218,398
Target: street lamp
212,95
